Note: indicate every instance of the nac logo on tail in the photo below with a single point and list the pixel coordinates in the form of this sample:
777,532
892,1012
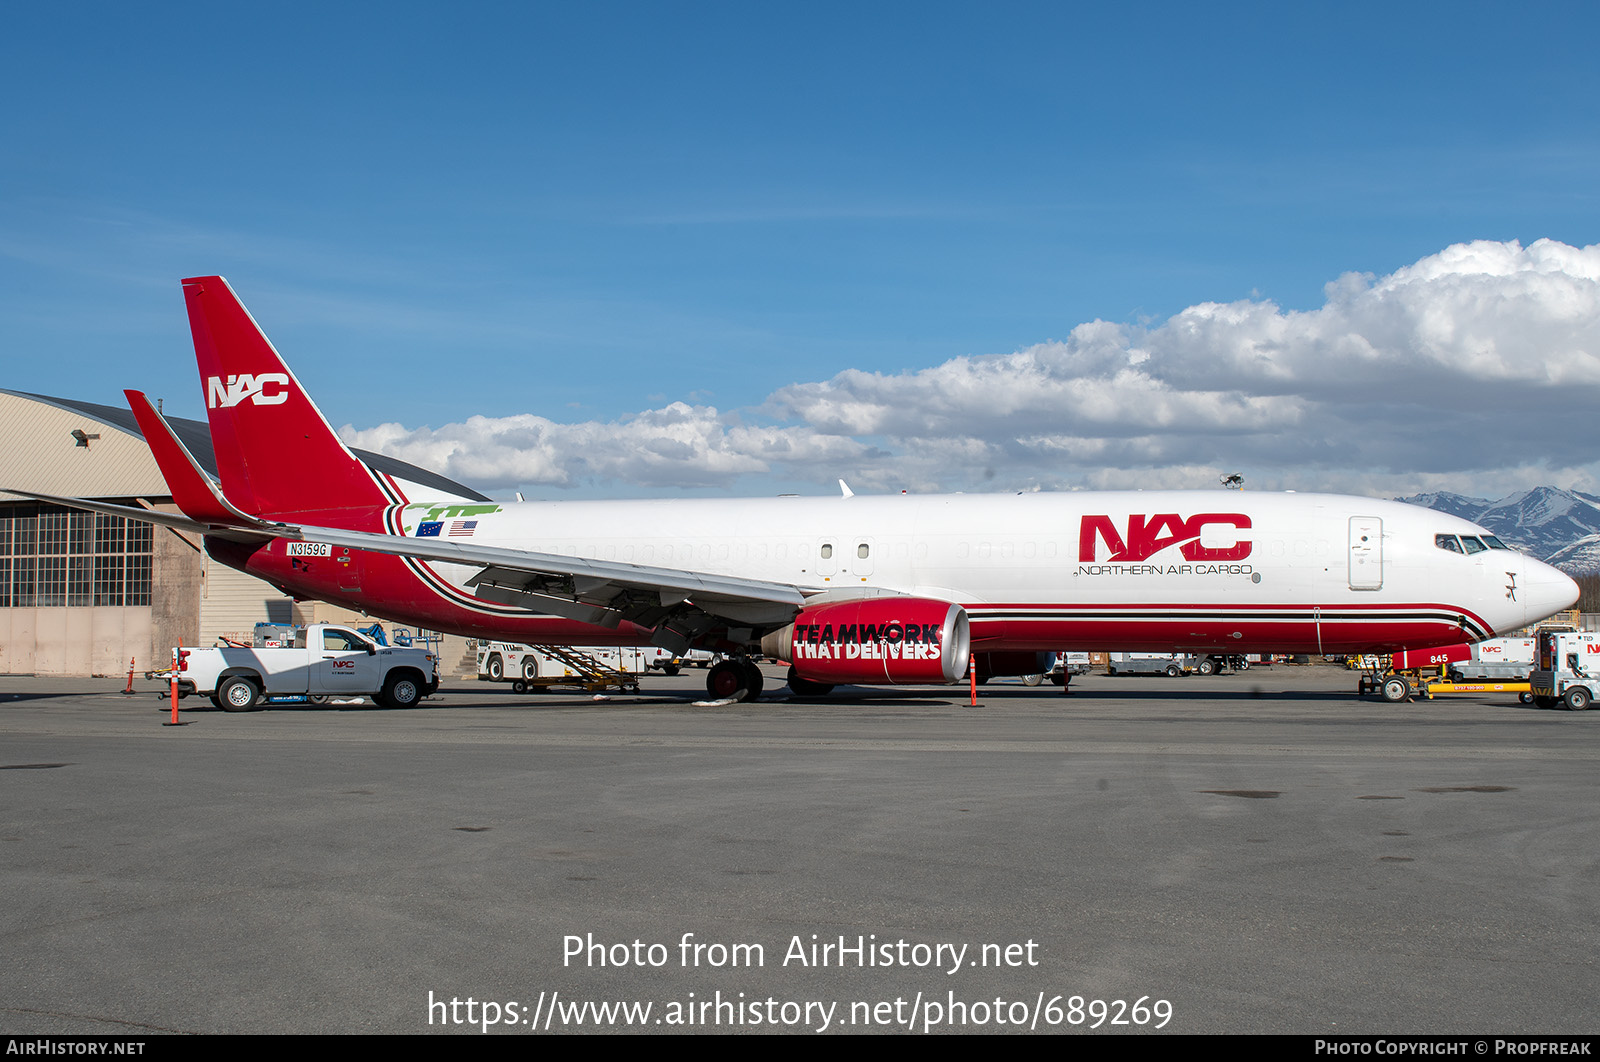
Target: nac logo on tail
241,386
1149,535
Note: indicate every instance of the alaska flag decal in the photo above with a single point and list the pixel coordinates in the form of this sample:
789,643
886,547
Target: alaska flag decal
429,528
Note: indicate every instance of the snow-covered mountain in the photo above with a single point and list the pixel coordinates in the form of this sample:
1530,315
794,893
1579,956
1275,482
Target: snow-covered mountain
1560,526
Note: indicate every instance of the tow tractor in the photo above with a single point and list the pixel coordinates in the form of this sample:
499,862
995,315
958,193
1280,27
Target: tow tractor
1568,671
1430,672
1426,673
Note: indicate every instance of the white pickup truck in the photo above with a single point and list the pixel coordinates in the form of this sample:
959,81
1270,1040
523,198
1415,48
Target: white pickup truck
326,661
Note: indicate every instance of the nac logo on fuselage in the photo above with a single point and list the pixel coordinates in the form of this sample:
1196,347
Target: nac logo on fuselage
1148,535
241,386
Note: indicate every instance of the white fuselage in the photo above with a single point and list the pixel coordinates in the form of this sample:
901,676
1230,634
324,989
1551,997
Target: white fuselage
1092,570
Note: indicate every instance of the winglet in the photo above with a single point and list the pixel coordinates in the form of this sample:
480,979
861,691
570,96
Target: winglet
191,488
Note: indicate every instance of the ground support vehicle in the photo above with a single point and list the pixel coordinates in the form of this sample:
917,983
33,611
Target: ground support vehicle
1568,669
669,663
1427,674
1172,664
539,667
1217,663
326,660
1498,658
1067,665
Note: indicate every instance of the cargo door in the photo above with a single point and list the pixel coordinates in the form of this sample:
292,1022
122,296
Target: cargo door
1366,553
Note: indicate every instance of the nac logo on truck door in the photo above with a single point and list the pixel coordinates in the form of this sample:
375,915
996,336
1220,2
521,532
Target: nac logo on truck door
1148,535
241,386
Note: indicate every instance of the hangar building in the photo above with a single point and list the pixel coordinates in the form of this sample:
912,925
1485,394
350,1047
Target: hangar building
84,593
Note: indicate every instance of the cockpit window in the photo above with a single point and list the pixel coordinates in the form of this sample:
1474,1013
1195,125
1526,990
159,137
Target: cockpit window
1494,543
1472,544
1447,542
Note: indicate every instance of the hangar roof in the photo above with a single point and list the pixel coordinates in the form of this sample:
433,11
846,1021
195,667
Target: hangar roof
196,435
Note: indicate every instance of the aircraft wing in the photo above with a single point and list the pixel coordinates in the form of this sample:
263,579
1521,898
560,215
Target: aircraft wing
590,591
680,604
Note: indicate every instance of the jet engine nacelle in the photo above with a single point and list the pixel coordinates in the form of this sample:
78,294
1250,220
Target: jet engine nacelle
893,640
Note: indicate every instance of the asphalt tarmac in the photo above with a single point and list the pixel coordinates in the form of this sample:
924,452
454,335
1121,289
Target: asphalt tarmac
1248,853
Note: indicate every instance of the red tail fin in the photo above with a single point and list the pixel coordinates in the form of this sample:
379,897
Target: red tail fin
275,450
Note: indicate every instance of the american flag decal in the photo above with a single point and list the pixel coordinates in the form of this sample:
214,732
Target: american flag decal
462,527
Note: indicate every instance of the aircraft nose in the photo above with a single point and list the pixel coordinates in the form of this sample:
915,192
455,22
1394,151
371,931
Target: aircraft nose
1544,590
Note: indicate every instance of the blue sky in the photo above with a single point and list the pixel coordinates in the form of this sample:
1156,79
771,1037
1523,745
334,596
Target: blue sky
583,214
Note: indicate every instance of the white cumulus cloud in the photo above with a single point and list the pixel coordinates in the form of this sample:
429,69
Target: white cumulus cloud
1478,367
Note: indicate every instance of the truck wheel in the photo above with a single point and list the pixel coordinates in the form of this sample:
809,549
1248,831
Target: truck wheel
497,668
1396,690
237,694
1173,671
1207,666
1577,698
1544,702
401,690
1032,680
530,668
671,669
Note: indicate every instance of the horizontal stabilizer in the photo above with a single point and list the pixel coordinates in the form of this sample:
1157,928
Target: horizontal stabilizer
191,488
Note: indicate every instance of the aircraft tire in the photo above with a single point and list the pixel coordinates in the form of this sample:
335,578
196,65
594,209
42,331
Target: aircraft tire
728,680
1577,698
1396,690
237,694
496,668
806,688
756,680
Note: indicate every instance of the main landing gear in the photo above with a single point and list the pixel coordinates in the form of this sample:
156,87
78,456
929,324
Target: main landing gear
735,679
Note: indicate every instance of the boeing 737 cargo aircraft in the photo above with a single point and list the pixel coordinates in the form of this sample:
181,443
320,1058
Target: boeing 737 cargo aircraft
897,589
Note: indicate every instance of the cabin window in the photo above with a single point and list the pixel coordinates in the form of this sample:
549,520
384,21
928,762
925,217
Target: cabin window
827,551
1447,542
863,551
